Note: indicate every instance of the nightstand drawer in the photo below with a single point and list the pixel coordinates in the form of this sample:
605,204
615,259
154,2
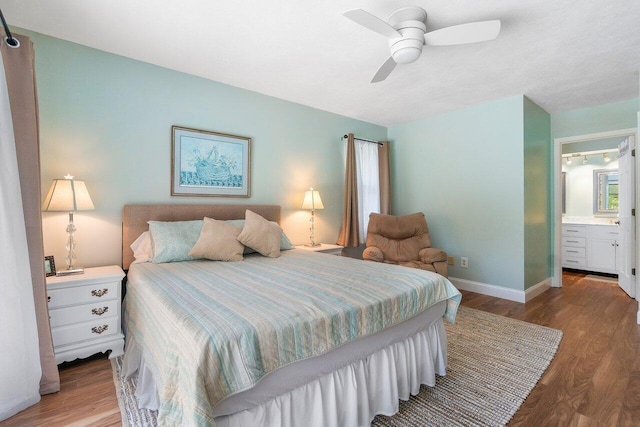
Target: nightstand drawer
83,294
100,328
82,313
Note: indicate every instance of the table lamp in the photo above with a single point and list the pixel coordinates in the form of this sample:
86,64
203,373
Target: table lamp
68,195
312,201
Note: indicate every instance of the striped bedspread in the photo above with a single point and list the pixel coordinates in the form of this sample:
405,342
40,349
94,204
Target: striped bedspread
211,329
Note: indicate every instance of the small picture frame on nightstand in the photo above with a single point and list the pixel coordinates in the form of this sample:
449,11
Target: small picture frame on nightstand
49,266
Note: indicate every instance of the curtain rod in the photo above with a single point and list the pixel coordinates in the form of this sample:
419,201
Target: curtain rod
11,41
365,140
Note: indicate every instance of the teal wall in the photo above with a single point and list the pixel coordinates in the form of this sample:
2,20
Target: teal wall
107,120
601,118
465,171
538,163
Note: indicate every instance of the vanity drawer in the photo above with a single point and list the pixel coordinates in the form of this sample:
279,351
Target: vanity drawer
602,232
574,230
573,252
572,262
576,242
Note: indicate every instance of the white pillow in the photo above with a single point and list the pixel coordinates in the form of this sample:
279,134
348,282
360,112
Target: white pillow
141,247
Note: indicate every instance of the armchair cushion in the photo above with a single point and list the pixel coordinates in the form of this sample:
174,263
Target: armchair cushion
373,254
431,255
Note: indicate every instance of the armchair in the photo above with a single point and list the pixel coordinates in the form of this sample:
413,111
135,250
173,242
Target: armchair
403,240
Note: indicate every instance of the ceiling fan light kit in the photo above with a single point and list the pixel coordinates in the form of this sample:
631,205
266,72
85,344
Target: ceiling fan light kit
407,32
407,49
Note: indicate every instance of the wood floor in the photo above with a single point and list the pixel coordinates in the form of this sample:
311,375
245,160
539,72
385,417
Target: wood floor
594,380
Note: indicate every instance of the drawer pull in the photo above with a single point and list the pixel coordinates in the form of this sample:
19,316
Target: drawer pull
99,292
572,231
572,241
99,329
573,252
99,311
570,260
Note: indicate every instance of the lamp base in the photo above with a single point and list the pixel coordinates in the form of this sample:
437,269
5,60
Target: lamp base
313,245
75,270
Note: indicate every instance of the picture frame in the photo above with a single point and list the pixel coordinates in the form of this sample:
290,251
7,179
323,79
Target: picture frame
49,266
206,163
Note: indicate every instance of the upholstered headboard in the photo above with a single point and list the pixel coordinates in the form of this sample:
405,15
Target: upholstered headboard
135,217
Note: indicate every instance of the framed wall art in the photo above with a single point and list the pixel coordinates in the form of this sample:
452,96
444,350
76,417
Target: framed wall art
205,163
49,266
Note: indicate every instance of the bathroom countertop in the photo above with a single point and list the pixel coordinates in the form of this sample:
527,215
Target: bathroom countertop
589,221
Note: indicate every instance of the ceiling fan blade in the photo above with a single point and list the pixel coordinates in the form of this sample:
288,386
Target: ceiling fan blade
372,22
465,33
384,71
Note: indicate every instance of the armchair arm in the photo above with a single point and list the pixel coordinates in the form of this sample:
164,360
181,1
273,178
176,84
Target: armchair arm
372,253
431,255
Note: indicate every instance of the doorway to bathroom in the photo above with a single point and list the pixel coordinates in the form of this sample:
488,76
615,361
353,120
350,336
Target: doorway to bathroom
594,193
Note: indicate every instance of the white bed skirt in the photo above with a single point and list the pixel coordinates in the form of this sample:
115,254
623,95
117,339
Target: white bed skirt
350,396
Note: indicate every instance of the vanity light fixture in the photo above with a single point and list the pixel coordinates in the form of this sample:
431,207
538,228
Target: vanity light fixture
569,161
606,157
585,160
68,195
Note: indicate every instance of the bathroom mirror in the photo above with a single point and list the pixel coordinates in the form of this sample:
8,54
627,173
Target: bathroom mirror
605,191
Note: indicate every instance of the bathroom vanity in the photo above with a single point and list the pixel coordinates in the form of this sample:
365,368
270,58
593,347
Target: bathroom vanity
591,247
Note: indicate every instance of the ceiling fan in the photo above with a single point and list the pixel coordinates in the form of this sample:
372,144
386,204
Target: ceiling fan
407,33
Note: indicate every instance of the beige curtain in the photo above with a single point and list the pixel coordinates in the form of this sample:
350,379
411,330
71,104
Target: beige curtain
385,178
349,230
20,76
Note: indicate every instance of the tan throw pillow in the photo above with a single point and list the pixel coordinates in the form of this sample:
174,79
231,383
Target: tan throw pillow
218,242
261,235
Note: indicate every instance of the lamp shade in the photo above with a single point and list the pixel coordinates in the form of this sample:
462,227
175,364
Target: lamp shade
67,195
312,200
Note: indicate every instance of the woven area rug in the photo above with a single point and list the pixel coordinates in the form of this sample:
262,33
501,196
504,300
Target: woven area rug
494,363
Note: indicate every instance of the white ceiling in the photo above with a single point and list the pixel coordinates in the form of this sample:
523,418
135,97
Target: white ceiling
562,54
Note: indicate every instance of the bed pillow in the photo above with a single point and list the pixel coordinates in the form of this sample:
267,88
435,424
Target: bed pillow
285,243
141,248
261,235
218,241
172,241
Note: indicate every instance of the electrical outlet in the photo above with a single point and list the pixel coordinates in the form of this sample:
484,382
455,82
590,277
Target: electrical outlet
452,260
464,262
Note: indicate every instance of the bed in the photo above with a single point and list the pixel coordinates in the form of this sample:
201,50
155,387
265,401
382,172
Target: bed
301,339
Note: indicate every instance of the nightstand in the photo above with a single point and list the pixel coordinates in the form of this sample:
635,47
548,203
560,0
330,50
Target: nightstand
324,248
85,312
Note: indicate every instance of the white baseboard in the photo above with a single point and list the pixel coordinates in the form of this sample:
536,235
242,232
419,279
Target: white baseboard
537,289
501,292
